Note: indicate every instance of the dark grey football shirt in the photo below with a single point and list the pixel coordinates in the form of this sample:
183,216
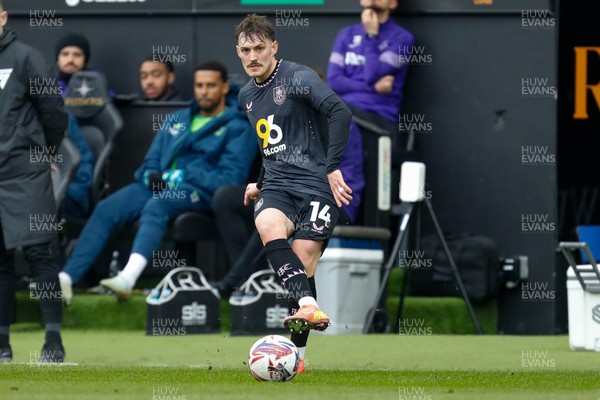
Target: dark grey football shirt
301,125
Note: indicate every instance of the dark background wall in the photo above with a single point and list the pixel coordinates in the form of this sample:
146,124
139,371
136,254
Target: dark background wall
470,93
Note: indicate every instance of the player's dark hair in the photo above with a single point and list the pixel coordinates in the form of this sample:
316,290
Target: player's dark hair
213,66
153,58
255,27
1,5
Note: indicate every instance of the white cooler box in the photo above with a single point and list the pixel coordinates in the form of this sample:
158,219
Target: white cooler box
584,308
347,281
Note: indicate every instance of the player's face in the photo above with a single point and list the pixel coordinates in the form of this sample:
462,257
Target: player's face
258,56
210,92
379,5
155,79
71,59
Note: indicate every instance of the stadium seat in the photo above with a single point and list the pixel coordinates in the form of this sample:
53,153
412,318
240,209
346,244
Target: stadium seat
88,100
191,229
65,170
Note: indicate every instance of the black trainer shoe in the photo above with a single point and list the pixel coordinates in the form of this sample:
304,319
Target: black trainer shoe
224,290
52,353
5,354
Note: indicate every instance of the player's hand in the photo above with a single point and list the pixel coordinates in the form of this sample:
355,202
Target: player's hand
341,192
251,193
385,84
53,170
370,21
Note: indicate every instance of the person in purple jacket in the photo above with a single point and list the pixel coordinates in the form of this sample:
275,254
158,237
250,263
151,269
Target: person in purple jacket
365,71
365,67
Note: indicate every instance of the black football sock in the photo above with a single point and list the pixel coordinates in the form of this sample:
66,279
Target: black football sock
288,268
4,331
7,308
301,338
53,332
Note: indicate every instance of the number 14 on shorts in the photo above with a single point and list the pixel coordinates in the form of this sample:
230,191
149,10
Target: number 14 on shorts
323,214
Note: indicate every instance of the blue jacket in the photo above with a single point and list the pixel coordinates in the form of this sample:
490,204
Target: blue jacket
77,200
220,153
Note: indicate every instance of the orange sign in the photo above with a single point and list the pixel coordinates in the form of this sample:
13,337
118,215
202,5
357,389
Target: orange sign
581,83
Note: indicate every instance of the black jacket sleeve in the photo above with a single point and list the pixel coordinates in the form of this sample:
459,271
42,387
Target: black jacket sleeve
50,108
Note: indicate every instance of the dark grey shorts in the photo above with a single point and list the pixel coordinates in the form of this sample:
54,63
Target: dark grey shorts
314,217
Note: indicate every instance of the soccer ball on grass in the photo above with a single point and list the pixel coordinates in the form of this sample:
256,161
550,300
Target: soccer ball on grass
273,358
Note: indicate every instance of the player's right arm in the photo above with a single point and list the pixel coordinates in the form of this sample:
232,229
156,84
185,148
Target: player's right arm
251,193
252,189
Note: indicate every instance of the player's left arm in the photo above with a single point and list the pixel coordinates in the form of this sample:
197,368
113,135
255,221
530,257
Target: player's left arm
379,63
322,98
339,116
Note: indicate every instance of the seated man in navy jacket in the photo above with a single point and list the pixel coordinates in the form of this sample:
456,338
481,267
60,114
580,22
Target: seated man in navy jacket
203,147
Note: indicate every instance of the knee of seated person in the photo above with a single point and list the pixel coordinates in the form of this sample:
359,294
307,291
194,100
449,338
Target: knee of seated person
219,195
225,196
105,207
154,212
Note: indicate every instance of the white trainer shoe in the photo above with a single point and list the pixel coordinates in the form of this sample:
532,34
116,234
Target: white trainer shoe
118,285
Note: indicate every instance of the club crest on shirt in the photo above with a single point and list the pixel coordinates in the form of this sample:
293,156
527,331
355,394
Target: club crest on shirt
383,45
175,129
356,41
279,95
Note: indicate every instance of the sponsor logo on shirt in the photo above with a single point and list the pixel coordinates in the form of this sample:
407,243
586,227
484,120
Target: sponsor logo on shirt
354,59
264,130
4,76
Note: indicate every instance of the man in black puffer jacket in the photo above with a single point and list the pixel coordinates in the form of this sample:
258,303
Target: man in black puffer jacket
32,124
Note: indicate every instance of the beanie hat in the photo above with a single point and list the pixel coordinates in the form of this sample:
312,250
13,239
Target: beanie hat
73,39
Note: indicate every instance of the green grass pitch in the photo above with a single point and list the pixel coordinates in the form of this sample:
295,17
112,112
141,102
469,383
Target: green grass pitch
130,365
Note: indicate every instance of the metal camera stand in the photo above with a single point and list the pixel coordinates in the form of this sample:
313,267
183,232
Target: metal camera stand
407,208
